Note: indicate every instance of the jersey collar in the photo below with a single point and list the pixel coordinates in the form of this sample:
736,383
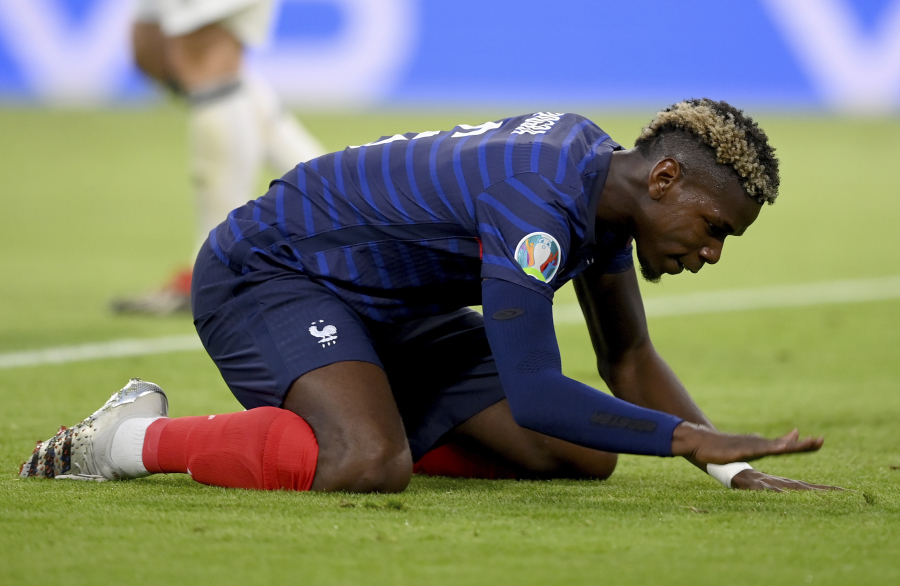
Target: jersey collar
593,185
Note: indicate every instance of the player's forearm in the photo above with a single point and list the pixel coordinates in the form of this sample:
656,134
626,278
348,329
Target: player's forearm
643,378
519,327
626,359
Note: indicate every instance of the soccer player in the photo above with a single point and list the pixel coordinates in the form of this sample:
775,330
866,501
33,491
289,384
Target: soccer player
236,121
335,308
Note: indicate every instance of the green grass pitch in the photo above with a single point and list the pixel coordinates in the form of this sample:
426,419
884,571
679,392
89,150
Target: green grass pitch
96,204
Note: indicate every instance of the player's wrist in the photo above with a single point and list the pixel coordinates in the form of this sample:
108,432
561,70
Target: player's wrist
725,473
686,438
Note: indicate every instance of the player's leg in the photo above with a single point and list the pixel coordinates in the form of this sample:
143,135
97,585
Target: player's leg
237,121
493,435
339,430
274,337
286,141
185,46
447,388
281,340
205,56
148,45
362,444
130,436
225,139
148,42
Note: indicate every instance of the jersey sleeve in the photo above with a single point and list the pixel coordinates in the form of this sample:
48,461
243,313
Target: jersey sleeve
526,225
519,328
621,261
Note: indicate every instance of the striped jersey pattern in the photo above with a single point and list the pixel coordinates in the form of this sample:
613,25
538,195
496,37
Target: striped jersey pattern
409,225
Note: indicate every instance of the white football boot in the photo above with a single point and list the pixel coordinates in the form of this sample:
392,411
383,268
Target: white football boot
83,452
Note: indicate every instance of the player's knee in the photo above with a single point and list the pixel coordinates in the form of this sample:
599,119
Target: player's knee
591,464
372,466
602,465
388,471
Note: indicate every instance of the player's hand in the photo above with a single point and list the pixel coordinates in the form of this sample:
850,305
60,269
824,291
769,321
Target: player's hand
756,480
708,446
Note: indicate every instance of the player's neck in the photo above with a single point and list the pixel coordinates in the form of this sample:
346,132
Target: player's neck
626,180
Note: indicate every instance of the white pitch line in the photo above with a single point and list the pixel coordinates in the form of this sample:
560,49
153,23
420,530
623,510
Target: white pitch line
850,291
112,349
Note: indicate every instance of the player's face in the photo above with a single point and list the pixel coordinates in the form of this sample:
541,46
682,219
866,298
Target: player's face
686,227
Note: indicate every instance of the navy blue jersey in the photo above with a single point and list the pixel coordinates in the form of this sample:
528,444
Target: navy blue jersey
410,224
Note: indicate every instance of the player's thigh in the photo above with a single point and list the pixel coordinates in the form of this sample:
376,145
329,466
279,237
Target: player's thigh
281,340
441,373
362,444
149,47
493,433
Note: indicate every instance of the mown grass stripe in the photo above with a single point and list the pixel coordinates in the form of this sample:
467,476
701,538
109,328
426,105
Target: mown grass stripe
845,291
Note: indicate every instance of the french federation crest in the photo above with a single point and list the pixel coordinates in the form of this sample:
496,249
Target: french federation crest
538,255
327,335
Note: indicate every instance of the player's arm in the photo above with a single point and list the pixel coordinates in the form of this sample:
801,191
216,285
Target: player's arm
519,327
635,372
626,359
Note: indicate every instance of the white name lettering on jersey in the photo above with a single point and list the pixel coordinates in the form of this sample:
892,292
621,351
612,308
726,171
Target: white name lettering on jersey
540,123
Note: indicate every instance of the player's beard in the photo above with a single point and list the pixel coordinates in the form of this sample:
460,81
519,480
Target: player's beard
647,270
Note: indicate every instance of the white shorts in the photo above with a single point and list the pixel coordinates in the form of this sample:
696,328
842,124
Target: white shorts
248,20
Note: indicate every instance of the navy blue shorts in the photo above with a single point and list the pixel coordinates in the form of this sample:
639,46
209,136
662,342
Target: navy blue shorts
266,329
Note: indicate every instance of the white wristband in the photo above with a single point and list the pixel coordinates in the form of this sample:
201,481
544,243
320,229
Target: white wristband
725,472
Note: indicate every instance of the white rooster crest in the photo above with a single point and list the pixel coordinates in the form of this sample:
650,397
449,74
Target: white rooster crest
326,335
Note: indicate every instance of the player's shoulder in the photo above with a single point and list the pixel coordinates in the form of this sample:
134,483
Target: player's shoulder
559,146
549,124
559,134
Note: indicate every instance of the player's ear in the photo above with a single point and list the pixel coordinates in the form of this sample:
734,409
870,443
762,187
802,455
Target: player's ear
663,176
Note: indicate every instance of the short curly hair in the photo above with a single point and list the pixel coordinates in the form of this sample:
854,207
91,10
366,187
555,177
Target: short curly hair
732,137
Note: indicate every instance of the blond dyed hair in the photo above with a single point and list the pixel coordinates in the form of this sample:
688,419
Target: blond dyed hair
736,140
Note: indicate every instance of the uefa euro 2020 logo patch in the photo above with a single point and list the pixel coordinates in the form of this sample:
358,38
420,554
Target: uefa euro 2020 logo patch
538,255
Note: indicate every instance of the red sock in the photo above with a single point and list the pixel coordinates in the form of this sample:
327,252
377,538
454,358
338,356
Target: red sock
264,448
453,460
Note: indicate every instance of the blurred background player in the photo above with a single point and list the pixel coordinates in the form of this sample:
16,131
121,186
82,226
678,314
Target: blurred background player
236,121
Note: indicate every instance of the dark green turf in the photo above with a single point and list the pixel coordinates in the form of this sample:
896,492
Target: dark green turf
97,204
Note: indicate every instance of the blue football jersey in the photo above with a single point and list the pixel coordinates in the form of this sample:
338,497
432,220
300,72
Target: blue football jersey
409,225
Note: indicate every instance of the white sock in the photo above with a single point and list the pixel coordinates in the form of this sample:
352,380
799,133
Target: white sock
128,446
226,152
286,142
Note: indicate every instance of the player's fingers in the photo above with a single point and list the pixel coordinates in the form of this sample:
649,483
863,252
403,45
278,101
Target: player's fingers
823,487
791,436
811,444
797,485
791,484
761,448
792,444
718,448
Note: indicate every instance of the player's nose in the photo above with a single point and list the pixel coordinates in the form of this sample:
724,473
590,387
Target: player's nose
711,253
